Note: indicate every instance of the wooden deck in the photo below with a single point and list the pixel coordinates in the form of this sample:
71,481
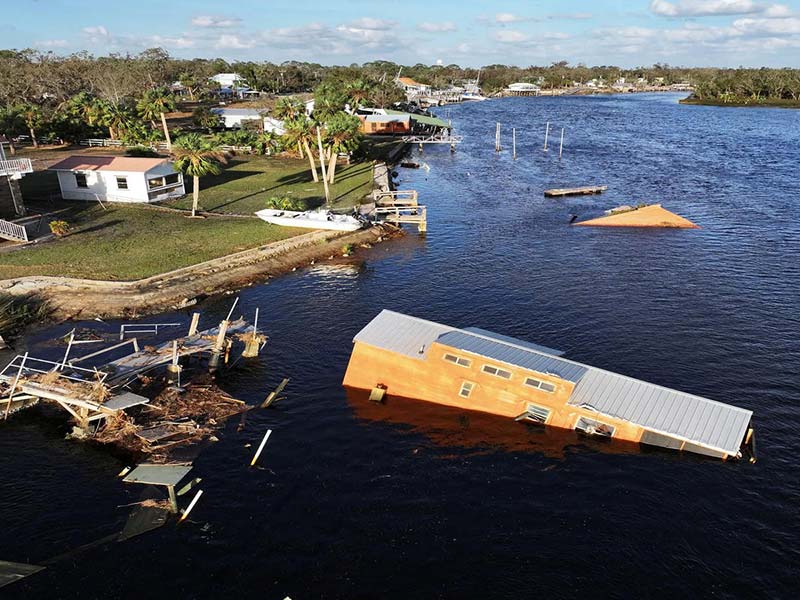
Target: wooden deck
577,191
399,207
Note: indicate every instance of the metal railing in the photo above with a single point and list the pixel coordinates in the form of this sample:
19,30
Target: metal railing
13,231
16,166
142,328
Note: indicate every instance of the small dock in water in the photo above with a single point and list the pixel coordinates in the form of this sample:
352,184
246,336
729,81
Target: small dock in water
401,206
587,190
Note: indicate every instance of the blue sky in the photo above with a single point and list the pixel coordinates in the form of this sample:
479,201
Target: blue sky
630,33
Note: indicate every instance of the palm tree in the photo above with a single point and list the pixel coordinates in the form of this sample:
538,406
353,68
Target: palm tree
157,102
300,133
343,133
197,157
268,142
288,108
359,91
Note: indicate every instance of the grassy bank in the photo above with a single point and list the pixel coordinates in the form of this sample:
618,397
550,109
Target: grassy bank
247,183
131,242
123,242
17,312
744,103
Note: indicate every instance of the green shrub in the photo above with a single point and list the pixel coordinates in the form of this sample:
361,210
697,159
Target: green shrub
59,228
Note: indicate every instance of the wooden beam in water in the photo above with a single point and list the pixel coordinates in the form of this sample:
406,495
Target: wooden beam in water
578,191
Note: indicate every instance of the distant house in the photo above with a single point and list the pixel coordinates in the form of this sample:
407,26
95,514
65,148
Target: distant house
274,125
385,124
523,89
229,80
233,118
118,179
411,87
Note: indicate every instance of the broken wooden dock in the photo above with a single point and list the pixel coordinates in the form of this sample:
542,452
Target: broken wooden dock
401,206
576,191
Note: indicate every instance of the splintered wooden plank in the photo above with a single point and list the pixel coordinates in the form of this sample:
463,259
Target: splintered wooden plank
158,474
11,572
125,400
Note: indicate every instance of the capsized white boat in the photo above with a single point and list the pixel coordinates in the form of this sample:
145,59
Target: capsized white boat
311,219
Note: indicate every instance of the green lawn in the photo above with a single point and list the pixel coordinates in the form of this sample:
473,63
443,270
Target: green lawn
248,182
131,242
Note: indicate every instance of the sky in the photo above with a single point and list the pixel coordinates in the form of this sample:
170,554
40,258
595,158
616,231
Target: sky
630,33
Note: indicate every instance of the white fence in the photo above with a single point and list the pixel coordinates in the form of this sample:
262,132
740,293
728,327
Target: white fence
12,231
155,145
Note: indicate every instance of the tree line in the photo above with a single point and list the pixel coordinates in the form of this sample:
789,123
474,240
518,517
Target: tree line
126,97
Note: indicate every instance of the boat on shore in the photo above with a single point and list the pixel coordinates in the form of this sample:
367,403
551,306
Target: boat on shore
310,219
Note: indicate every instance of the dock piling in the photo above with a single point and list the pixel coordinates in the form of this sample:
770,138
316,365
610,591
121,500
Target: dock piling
546,133
561,146
497,138
514,143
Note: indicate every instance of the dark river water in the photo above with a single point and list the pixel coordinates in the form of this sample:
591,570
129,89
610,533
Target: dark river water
409,500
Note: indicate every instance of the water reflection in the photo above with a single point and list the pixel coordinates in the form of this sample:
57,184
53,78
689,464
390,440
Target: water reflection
478,432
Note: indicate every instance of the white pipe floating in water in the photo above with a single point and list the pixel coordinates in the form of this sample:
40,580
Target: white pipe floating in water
261,447
191,506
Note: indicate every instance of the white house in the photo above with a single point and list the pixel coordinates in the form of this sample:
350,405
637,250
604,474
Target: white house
274,125
232,118
229,80
118,179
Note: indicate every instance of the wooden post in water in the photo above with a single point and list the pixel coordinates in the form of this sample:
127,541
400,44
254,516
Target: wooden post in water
497,139
514,143
546,132
561,147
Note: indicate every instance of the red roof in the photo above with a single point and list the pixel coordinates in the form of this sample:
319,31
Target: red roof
126,164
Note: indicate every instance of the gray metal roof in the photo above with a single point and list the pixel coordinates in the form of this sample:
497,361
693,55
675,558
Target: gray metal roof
158,474
513,353
689,417
510,340
401,333
239,112
684,416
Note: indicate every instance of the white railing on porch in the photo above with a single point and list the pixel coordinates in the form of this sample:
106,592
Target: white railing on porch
16,166
12,231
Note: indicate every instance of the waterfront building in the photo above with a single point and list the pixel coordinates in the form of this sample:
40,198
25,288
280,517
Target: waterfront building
478,370
118,179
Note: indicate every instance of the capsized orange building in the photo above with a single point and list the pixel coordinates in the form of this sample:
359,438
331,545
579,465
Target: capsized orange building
478,370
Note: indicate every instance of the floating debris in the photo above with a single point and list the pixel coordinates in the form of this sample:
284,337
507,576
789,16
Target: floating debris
577,191
11,572
653,215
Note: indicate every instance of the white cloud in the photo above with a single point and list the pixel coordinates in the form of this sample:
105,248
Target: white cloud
555,35
371,24
509,36
98,31
789,26
508,18
437,27
705,8
52,44
233,42
215,21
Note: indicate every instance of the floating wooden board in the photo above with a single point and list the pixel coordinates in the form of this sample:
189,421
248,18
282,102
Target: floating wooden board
653,215
11,572
158,474
578,191
126,400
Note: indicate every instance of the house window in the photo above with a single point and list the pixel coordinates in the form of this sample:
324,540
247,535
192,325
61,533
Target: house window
496,371
540,385
466,389
80,180
170,179
122,183
592,427
155,183
458,360
537,414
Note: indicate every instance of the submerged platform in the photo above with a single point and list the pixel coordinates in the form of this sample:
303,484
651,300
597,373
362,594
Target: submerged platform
653,215
478,370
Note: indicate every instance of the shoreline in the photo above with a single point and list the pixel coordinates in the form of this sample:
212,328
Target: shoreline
72,298
787,104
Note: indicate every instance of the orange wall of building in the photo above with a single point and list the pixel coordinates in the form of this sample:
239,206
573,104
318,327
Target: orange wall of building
435,380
